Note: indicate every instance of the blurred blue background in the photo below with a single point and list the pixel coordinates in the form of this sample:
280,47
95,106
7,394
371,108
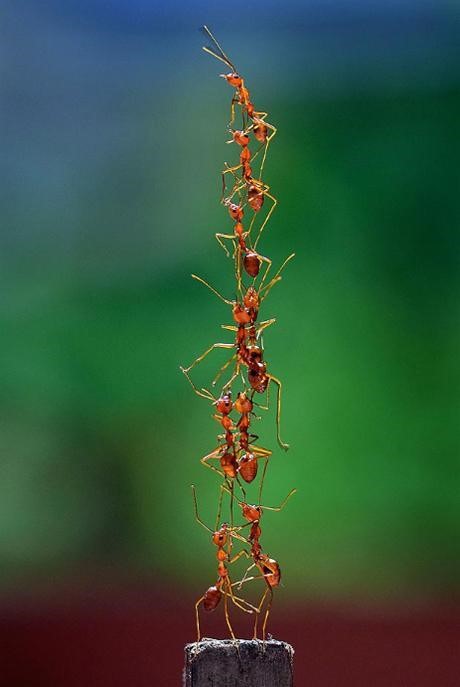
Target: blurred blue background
113,136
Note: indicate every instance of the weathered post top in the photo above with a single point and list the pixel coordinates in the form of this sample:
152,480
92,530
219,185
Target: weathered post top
240,663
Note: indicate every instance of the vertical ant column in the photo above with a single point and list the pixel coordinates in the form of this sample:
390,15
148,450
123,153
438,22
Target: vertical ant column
247,663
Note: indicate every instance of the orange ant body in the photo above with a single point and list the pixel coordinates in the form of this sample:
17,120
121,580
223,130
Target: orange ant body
248,352
237,453
256,189
222,539
259,126
268,567
240,457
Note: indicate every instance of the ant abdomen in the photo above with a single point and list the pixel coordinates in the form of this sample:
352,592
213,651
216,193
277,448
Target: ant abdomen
271,570
260,131
211,598
258,378
255,198
251,263
251,513
229,465
241,138
248,467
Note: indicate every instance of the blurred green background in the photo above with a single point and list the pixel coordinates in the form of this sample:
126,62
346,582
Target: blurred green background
113,139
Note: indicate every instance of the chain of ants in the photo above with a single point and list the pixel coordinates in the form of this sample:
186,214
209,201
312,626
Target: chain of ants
236,457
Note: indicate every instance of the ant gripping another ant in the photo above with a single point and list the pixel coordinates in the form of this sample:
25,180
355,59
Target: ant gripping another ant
248,351
222,539
238,455
268,567
259,126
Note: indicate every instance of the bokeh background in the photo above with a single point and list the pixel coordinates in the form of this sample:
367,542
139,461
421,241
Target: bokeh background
113,137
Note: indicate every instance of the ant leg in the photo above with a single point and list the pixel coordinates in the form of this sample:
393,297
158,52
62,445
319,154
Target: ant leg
219,508
262,479
263,325
211,288
243,552
282,504
233,377
212,456
204,393
232,171
222,369
197,618
257,616
238,186
227,617
245,578
232,111
229,237
232,489
238,273
197,517
243,491
185,370
276,278
267,612
267,143
267,217
278,413
264,407
238,601
269,264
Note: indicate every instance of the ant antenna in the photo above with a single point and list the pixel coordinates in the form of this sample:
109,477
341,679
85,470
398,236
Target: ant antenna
221,56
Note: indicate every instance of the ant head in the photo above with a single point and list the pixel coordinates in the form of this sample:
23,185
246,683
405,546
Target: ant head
219,537
255,197
224,403
241,138
235,211
243,404
260,130
233,79
257,377
271,569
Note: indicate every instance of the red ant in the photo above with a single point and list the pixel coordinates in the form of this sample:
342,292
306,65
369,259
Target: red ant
222,538
256,190
268,567
249,257
241,461
259,126
248,352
